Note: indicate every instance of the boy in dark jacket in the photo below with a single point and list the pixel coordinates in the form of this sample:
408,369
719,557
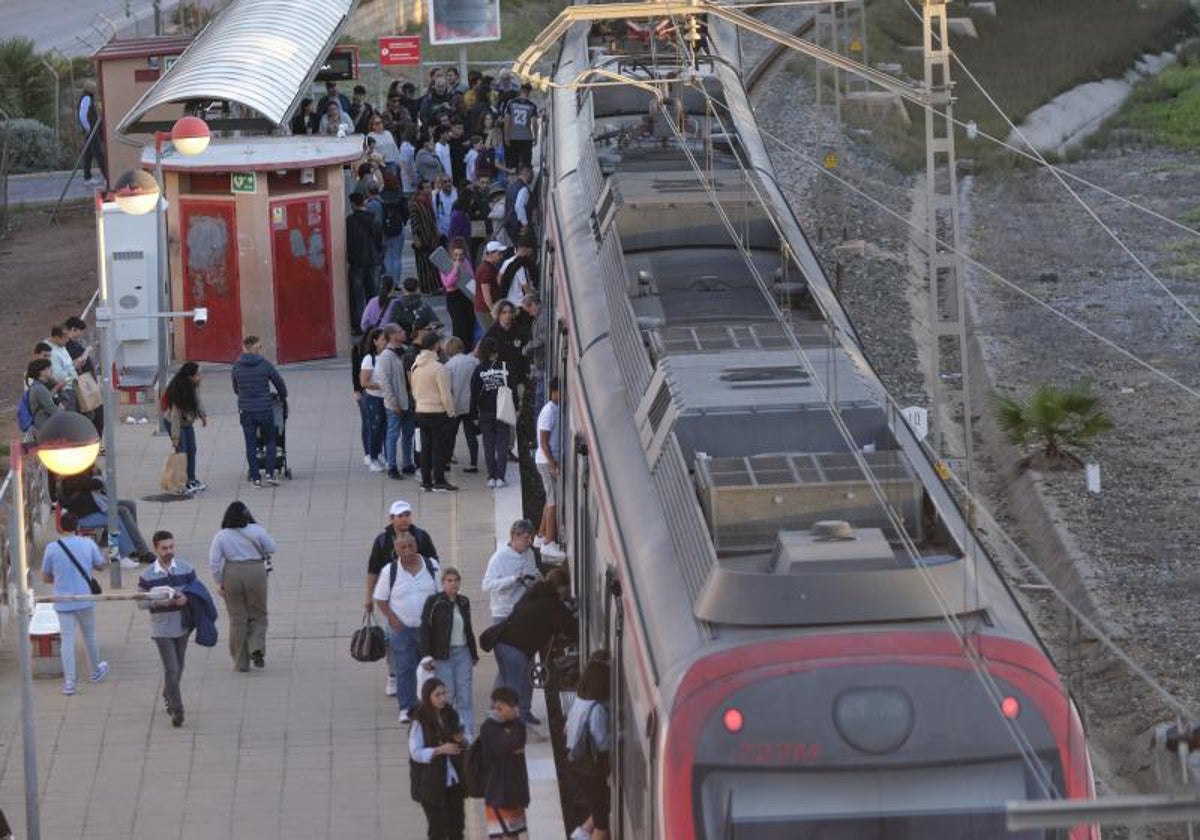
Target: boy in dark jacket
507,794
447,636
252,378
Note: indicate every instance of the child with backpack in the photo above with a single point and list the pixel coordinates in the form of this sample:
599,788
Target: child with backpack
506,778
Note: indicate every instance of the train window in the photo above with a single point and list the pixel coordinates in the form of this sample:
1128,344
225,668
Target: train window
947,802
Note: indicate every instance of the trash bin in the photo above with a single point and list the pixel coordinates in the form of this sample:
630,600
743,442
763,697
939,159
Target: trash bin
45,641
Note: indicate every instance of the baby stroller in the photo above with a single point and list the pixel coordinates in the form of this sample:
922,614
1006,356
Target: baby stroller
280,409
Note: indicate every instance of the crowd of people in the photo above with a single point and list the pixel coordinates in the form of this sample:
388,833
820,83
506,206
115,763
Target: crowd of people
434,167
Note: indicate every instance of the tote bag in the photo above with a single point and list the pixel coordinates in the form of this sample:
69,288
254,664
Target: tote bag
88,393
506,407
174,473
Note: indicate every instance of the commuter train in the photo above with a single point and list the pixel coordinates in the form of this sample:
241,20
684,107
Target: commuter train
807,641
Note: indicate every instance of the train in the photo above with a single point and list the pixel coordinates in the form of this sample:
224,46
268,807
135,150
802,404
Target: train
807,639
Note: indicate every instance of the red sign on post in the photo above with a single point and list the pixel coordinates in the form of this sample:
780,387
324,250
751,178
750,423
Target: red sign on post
400,51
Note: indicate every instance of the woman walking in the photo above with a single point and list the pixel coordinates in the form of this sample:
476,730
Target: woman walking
239,559
447,636
487,380
459,304
181,402
371,402
435,745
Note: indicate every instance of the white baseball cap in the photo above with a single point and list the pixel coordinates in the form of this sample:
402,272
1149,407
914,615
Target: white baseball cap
399,508
493,247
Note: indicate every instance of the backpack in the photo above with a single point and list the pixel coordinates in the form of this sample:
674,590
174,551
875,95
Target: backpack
506,276
585,754
25,412
403,311
395,564
474,772
394,218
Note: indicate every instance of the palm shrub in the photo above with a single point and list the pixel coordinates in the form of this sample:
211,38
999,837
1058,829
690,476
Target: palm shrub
1056,419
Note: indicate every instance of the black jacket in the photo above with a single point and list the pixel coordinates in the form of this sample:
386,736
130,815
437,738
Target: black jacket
437,620
537,617
427,782
507,775
75,493
364,238
510,343
485,382
383,550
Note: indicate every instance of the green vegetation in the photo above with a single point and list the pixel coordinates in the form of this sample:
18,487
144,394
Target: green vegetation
1031,51
1054,418
27,106
1165,109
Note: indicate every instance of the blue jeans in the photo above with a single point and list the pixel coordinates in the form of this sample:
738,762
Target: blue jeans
455,672
187,445
376,425
87,626
404,648
364,426
129,538
252,421
393,256
400,428
496,437
514,673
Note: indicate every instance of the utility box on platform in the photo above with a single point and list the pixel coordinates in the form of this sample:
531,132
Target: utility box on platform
131,255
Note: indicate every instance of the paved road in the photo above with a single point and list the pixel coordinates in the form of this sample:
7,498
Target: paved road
75,27
307,747
43,187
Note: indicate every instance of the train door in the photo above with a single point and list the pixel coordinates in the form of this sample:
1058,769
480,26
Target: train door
584,548
614,626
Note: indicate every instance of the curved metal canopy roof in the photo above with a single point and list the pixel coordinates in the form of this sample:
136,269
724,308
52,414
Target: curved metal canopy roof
259,53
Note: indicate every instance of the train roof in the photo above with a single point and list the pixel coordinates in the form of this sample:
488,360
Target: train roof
730,404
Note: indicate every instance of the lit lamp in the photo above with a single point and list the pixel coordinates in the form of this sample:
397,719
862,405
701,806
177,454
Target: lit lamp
189,135
136,192
67,445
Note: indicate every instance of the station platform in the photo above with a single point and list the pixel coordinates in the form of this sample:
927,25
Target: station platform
307,747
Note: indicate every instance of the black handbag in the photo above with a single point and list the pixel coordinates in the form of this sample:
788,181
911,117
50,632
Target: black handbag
369,642
93,584
489,637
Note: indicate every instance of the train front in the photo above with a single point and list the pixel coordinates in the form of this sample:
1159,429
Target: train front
870,736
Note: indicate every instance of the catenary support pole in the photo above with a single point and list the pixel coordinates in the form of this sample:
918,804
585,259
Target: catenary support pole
16,534
108,359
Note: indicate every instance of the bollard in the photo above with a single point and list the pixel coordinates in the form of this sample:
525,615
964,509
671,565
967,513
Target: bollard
45,642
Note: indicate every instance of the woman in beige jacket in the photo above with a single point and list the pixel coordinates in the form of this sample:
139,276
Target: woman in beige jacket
435,414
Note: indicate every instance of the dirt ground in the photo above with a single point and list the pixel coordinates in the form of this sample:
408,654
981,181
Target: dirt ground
47,273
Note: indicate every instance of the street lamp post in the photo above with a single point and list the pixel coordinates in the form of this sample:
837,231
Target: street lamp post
67,445
190,136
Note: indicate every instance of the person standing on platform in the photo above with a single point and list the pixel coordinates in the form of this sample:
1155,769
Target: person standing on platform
487,282
459,304
460,366
401,591
239,559
364,252
393,382
383,552
89,119
486,382
516,205
166,617
503,736
69,563
447,636
520,129
590,717
182,403
547,459
435,746
252,378
435,415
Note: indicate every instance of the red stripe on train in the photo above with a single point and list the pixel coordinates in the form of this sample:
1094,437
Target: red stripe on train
711,679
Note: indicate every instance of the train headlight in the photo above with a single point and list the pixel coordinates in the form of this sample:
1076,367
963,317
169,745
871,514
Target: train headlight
733,720
875,720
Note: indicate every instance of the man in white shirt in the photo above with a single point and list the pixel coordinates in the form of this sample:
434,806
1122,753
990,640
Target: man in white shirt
401,591
515,270
547,460
510,571
444,197
442,149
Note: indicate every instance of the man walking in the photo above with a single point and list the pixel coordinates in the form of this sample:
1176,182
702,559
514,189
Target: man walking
252,379
435,415
400,593
89,123
383,552
69,563
166,617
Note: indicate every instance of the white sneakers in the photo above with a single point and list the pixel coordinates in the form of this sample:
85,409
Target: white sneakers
367,461
129,564
554,550
539,541
376,467
497,483
403,717
390,691
581,833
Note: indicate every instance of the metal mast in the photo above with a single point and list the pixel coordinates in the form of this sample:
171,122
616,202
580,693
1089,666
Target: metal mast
947,299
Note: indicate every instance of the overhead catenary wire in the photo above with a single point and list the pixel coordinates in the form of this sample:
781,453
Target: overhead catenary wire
987,681
1097,632
1149,272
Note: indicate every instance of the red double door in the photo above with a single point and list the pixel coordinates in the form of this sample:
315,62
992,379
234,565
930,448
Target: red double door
302,278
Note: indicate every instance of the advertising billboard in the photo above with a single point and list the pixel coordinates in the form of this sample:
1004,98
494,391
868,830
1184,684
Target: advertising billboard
463,21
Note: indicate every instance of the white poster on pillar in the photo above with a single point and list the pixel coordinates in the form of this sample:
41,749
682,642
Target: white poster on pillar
463,21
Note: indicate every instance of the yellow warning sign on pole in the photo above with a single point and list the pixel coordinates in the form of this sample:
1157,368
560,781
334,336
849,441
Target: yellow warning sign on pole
855,45
831,160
